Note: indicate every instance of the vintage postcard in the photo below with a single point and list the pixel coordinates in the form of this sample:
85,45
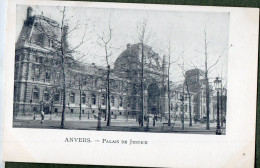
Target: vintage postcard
130,84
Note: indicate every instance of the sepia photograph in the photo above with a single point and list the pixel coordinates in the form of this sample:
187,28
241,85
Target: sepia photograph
120,69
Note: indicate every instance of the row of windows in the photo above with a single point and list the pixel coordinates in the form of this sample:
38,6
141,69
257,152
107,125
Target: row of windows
46,95
87,81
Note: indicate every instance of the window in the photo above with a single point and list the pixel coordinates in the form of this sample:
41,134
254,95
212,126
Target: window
171,106
46,95
41,60
47,76
128,102
120,101
51,43
84,82
115,85
35,93
176,107
113,101
72,97
103,100
83,98
93,98
57,97
36,73
96,82
36,59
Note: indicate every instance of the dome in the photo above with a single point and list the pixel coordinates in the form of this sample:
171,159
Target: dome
128,63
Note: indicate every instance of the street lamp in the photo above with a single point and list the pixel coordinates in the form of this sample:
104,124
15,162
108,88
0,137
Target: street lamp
217,87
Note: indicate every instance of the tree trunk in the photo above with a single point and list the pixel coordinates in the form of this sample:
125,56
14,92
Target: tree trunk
64,94
207,101
169,97
106,106
183,107
80,99
207,81
108,96
221,105
188,91
142,87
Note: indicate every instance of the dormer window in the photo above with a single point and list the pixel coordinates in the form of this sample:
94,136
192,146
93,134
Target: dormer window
50,43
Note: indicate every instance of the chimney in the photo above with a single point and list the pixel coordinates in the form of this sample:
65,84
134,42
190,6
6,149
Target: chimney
128,46
29,12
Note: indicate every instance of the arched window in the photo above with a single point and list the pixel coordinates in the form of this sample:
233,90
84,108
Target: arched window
36,93
72,97
113,101
103,100
120,101
83,98
93,98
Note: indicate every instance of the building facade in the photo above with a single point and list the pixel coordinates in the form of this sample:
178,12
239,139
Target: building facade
196,83
39,79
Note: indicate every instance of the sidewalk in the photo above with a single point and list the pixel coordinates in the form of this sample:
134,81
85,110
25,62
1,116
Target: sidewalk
116,125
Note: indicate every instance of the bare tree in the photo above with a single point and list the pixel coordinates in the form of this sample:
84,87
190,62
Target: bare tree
187,84
143,37
105,42
63,60
168,80
207,69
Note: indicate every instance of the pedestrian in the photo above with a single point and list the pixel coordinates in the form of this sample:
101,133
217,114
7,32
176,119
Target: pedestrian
42,116
154,121
140,121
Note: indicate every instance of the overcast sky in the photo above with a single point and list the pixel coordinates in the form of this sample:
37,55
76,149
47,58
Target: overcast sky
185,30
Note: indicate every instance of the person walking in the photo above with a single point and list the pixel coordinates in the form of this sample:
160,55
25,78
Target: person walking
42,116
140,121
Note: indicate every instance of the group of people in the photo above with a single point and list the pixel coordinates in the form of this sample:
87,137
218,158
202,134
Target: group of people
140,120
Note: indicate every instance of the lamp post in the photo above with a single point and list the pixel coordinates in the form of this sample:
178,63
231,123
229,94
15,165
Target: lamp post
217,87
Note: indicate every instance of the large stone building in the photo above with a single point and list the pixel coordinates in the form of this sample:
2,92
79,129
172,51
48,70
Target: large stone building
39,79
196,83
